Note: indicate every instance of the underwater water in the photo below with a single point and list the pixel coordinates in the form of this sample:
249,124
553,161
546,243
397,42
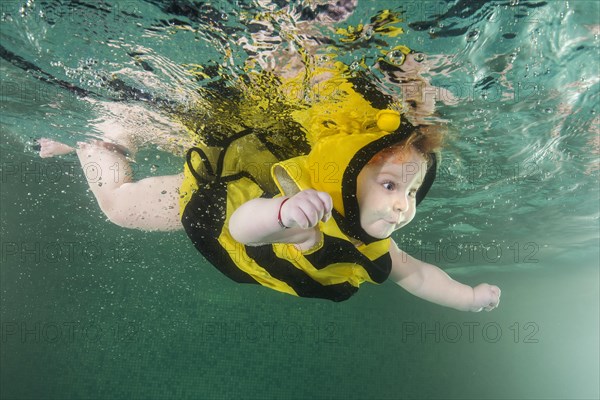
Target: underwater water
92,310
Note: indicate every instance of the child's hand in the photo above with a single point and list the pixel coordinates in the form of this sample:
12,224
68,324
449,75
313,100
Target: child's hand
306,209
485,297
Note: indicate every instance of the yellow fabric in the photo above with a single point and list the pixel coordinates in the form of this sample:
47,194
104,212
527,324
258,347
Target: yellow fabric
323,169
294,175
238,193
242,190
188,186
336,136
339,110
244,154
336,128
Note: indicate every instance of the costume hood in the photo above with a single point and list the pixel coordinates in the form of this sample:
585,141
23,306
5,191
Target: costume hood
334,163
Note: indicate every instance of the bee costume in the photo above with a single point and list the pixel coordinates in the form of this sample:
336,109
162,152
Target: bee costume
344,133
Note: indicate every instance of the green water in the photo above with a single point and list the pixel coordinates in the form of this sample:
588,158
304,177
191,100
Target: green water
91,310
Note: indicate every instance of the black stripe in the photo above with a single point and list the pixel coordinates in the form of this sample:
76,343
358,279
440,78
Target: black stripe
203,219
337,250
303,284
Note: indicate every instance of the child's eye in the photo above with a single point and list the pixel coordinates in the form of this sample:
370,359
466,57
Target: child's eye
413,192
389,186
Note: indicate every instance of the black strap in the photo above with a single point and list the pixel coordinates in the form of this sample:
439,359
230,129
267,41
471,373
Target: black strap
204,158
220,161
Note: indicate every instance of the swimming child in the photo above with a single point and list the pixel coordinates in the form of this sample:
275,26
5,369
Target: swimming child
306,209
315,225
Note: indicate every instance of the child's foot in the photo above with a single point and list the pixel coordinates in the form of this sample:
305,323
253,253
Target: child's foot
50,148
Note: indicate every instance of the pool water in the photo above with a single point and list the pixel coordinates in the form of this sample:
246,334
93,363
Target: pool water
91,310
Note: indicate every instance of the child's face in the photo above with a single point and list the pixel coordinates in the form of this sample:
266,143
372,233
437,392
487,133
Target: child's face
386,193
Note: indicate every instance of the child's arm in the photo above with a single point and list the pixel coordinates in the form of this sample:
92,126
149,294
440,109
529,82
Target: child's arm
257,221
432,284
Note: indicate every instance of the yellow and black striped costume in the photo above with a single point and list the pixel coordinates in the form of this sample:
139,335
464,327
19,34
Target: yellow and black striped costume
217,182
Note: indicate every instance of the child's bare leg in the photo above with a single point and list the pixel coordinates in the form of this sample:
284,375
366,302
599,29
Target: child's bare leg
149,204
52,148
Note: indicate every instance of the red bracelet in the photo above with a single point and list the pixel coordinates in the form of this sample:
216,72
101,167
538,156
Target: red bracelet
279,214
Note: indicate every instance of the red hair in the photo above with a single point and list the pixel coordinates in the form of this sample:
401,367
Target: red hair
425,139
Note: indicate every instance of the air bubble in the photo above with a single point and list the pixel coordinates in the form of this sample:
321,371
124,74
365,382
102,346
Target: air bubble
395,57
473,35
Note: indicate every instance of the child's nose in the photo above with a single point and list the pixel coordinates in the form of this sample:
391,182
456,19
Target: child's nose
401,203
